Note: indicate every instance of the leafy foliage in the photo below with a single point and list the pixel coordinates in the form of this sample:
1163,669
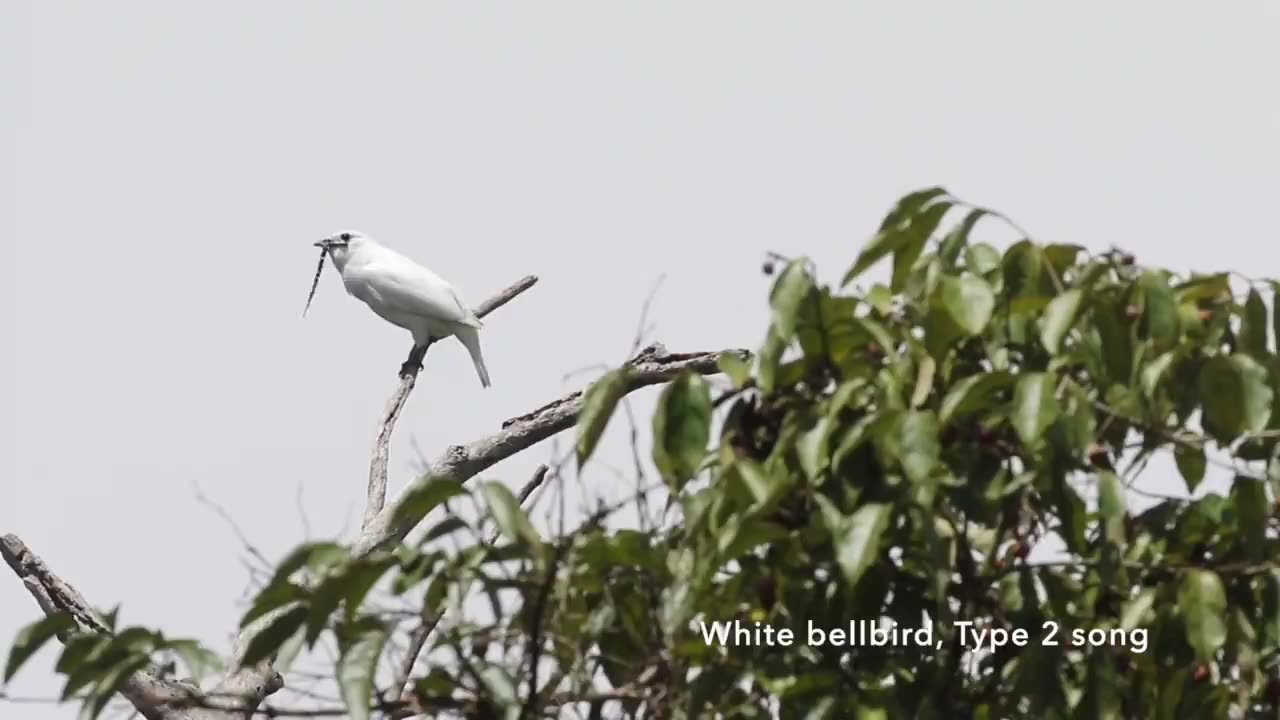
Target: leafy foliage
97,664
908,454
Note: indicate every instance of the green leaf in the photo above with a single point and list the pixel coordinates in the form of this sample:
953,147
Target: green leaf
789,292
199,660
1249,498
968,301
1203,602
1204,288
892,236
1061,256
422,499
857,540
958,238
32,637
597,407
357,667
1035,406
1269,620
316,557
276,631
1058,319
738,538
81,649
1253,326
737,369
1161,314
972,394
926,372
1235,396
359,579
1275,313
1023,269
768,358
915,443
1111,506
682,428
917,235
289,651
1114,333
910,204
1191,464
880,298
500,686
813,448
1135,610
509,516
1154,372
761,483
322,604
111,681
981,259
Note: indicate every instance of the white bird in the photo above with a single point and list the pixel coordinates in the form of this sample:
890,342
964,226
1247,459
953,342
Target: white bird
405,294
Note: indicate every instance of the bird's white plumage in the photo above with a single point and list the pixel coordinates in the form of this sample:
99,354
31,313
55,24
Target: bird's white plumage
406,294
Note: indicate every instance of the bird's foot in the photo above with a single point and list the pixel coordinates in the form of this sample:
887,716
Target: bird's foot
413,365
410,367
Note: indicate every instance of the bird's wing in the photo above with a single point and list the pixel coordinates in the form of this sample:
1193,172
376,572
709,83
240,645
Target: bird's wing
407,287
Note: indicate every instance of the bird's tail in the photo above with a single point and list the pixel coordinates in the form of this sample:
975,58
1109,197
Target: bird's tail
470,337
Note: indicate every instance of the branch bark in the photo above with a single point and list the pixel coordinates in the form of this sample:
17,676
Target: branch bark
152,696
377,496
654,365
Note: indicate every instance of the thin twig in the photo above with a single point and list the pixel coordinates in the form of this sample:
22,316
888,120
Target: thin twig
430,621
533,647
231,523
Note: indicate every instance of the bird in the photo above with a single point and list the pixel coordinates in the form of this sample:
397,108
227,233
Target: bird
406,294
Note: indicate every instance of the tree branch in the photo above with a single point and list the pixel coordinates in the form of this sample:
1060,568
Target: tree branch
242,689
429,622
152,696
408,377
654,365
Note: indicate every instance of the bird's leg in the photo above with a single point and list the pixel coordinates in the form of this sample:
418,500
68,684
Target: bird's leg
413,365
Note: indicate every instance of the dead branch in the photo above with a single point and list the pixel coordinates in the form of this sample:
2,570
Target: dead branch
654,365
408,377
152,696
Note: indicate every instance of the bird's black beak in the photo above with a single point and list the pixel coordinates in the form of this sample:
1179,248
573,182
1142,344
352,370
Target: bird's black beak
324,243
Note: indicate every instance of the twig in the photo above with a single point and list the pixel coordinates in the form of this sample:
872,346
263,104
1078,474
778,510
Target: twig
643,328
235,527
534,483
408,377
429,622
302,513
533,647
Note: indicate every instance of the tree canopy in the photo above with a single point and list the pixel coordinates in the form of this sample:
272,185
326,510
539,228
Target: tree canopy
951,454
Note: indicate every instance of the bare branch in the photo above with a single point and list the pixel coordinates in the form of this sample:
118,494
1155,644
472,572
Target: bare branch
408,377
221,512
654,365
154,697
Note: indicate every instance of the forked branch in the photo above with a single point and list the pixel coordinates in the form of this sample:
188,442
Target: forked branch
408,377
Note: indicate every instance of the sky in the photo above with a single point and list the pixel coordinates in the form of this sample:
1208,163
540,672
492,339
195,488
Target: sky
167,166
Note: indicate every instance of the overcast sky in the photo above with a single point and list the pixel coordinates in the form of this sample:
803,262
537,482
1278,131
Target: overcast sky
166,167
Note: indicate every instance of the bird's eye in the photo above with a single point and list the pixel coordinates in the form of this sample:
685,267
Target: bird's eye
346,237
